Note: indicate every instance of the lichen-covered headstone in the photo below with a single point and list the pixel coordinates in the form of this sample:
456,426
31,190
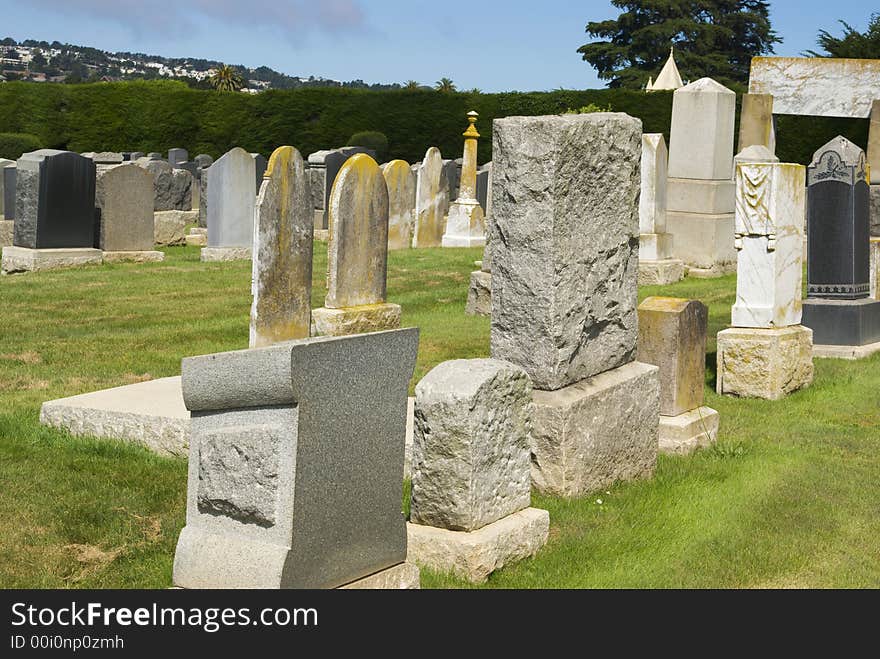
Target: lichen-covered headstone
401,203
432,201
124,208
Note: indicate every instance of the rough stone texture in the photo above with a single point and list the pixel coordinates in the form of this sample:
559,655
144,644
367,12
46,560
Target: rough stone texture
23,259
873,150
465,225
221,254
203,199
477,554
652,201
320,504
177,156
479,302
196,240
598,431
756,123
565,244
400,577
764,363
7,230
357,254
151,414
850,353
124,209
685,195
169,227
401,184
672,336
704,242
701,137
137,256
106,158
471,444
432,201
685,433
4,163
875,266
356,320
230,203
875,207
661,273
173,187
282,264
817,86
203,160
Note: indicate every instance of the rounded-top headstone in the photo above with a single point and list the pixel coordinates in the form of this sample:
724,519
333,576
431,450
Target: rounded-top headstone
432,200
203,160
401,203
230,200
124,207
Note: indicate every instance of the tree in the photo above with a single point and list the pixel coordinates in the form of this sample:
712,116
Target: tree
853,43
445,85
411,85
226,79
715,38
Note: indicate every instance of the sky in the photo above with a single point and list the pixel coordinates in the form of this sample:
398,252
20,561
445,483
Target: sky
492,45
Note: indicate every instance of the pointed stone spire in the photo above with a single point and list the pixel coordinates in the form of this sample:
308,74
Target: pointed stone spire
669,77
650,86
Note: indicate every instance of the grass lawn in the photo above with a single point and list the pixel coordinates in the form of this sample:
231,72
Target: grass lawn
788,498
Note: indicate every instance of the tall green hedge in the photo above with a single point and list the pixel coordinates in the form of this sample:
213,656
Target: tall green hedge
157,115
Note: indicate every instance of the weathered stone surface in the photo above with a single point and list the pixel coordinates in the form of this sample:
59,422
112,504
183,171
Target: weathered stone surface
169,227
672,336
704,242
875,208
3,164
24,259
564,244
282,264
173,187
685,195
124,209
106,158
231,198
324,167
601,430
479,302
432,201
875,267
203,160
318,505
652,201
137,256
196,239
654,246
356,320
465,223
756,125
661,273
177,156
401,184
7,230
764,363
685,433
471,444
817,86
7,189
400,577
203,199
476,555
701,137
154,155
357,254
873,150
220,254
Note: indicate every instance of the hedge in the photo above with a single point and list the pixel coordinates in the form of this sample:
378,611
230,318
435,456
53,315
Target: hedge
12,145
157,115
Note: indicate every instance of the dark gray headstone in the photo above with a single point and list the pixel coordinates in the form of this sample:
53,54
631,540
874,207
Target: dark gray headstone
203,160
483,187
191,167
452,170
55,200
154,156
325,166
260,165
8,174
134,155
177,156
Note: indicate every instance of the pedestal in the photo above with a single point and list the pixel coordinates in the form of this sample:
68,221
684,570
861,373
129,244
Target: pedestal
479,302
23,259
476,554
655,246
705,197
847,323
356,320
685,433
400,577
600,430
197,237
661,273
215,254
700,216
6,232
134,257
465,225
764,363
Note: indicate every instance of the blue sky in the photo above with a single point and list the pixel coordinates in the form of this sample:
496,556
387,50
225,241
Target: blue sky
494,45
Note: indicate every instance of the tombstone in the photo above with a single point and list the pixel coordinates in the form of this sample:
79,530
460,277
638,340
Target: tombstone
124,214
656,265
479,301
203,199
260,165
401,203
54,214
672,336
153,155
757,126
564,294
9,175
282,263
106,158
4,163
452,171
873,155
135,155
203,160
357,254
470,508
173,187
296,465
483,176
196,185
230,207
177,156
7,224
700,189
324,168
844,320
465,221
432,201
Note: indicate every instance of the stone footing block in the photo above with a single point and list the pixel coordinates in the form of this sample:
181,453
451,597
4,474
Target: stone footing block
400,577
6,232
476,554
479,302
23,259
169,227
216,254
846,352
703,241
764,363
597,431
700,196
661,273
196,240
685,433
134,257
655,246
322,235
356,320
843,322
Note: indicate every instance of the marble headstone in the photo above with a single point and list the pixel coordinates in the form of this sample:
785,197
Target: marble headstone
432,201
401,203
230,200
177,156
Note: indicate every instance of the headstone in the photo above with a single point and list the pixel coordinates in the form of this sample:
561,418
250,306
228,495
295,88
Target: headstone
203,160
452,171
106,158
483,176
564,294
432,201
282,264
296,463
135,155
173,187
324,167
230,206
656,267
757,126
873,152
153,155
465,222
260,165
401,203
124,211
203,198
9,174
177,156
4,163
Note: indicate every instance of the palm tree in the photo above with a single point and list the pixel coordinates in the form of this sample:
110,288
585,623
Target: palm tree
226,79
445,85
411,85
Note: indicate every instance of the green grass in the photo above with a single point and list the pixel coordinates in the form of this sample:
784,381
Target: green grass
788,498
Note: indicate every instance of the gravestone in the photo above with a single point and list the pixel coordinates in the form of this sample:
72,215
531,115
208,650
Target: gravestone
757,126
154,155
7,202
177,156
282,264
357,253
203,198
196,185
230,207
203,160
324,167
479,302
260,165
656,265
401,203
564,294
296,465
173,187
432,201
465,221
106,158
135,155
124,214
873,155
4,163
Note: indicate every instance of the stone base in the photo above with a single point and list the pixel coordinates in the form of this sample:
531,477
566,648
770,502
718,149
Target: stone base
6,232
356,320
655,246
689,195
843,322
875,267
134,257
598,431
764,363
479,302
685,433
465,225
400,577
713,272
476,554
319,220
169,227
215,254
846,352
322,234
661,273
704,242
462,241
23,259
197,240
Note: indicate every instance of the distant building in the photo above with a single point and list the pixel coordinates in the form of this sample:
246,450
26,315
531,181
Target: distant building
669,78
